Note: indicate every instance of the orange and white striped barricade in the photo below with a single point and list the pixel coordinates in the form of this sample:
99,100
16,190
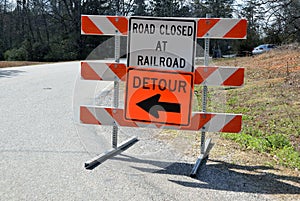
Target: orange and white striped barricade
206,28
103,25
209,122
95,70
210,75
221,28
219,76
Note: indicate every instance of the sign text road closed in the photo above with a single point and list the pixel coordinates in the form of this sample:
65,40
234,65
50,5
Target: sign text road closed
158,96
165,44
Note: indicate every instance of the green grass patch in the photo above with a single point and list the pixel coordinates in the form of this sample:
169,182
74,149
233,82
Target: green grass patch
277,145
287,156
269,102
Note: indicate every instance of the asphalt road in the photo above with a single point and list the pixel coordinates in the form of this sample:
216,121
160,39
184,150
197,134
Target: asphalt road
43,149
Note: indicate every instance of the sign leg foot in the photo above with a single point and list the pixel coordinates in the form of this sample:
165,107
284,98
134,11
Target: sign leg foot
201,158
93,163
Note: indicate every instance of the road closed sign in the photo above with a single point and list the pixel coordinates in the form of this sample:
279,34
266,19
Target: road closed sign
158,96
164,44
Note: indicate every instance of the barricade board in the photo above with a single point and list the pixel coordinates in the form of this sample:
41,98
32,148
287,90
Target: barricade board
208,122
208,75
221,28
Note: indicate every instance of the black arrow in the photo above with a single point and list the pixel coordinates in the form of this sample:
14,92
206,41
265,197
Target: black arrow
152,106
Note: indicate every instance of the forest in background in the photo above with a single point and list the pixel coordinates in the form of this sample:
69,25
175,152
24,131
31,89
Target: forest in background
49,30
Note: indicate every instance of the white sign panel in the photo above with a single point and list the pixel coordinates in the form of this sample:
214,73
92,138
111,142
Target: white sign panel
162,43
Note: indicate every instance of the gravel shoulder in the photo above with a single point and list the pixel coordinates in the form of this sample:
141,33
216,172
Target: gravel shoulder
246,170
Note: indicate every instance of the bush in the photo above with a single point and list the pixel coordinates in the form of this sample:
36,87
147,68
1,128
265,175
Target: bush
39,51
15,54
1,50
64,50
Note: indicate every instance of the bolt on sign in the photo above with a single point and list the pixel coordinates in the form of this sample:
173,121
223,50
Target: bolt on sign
162,43
158,96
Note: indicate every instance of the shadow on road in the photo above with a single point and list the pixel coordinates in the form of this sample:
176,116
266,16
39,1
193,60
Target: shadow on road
219,175
10,73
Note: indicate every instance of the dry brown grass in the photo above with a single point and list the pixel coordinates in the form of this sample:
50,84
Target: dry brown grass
5,64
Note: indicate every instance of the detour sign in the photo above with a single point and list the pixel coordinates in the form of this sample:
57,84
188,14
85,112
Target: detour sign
158,96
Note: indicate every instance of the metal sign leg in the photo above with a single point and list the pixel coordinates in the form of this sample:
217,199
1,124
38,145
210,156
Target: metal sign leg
116,90
125,145
89,165
205,144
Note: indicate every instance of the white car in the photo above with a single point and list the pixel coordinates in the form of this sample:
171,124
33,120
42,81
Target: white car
263,48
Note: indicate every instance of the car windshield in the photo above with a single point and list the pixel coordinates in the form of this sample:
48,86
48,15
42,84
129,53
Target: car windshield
261,46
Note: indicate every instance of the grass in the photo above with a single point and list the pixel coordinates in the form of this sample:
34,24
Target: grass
269,102
278,145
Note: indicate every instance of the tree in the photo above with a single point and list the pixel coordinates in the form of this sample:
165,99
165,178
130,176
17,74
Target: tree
140,8
254,15
216,8
282,23
95,7
164,8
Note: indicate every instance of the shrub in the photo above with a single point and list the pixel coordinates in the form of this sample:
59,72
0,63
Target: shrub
15,54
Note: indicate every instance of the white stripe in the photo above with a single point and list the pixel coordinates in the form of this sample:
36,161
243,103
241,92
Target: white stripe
102,115
144,125
103,70
171,127
154,125
222,27
218,122
220,75
104,24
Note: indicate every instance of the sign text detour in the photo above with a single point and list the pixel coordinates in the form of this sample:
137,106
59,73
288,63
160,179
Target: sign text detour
167,44
156,96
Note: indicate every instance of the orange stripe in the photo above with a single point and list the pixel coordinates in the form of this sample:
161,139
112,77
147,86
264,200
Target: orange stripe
204,25
202,73
204,118
88,26
121,23
236,79
198,121
238,31
160,125
118,116
234,126
87,117
118,69
88,73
